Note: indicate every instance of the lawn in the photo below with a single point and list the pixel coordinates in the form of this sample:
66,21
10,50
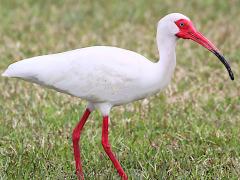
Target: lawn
191,130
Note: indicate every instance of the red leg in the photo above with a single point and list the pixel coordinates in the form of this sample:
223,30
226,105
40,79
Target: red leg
108,150
75,139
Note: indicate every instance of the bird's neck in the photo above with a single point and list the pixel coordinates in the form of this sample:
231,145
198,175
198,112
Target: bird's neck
159,76
167,59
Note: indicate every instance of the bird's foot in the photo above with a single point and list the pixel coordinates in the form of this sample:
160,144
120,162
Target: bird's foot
80,175
124,177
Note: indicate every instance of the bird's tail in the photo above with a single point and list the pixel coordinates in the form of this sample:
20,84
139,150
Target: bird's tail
8,72
20,69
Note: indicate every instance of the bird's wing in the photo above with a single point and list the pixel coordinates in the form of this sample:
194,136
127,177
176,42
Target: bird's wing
88,72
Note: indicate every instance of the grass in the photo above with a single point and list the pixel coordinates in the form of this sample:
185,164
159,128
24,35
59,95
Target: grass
189,131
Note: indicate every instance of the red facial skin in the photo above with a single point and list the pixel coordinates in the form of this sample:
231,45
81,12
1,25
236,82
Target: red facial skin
188,31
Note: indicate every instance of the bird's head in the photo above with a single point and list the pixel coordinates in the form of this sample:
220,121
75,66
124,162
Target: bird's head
180,26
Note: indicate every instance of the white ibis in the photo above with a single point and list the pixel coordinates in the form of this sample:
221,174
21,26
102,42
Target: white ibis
108,76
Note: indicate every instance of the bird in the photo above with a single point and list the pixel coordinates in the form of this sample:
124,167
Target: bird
107,76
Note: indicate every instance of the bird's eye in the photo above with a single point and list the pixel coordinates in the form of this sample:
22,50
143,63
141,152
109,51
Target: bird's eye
181,24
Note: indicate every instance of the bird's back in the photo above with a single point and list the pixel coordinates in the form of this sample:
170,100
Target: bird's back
98,74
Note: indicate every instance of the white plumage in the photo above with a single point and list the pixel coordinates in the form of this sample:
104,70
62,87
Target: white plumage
103,74
109,76
98,74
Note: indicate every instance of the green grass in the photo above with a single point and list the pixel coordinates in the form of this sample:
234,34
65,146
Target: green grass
189,131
